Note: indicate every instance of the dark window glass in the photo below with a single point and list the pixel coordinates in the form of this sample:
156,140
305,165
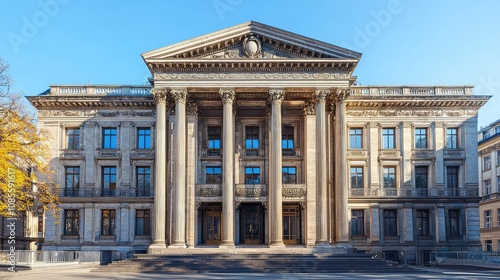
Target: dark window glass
423,222
357,177
289,175
142,222
389,176
421,180
357,222
452,177
143,181
108,180
452,138
213,175
72,180
108,222
71,222
72,138
454,221
252,175
421,138
390,223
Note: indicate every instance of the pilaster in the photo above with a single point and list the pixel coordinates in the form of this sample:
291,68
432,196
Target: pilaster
310,172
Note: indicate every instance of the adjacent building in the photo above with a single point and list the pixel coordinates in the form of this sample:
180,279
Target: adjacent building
489,178
257,136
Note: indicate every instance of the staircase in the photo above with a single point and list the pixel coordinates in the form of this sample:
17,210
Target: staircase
254,263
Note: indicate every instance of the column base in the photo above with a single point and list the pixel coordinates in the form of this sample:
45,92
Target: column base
157,247
343,245
178,245
226,245
277,244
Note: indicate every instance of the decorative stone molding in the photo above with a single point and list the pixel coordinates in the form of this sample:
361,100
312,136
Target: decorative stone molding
439,124
321,95
207,191
179,94
277,94
192,108
417,113
341,94
271,76
227,95
252,46
160,94
131,113
82,113
310,109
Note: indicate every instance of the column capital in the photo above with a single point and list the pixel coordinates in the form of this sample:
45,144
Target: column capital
160,94
277,94
227,95
192,108
309,109
321,94
341,94
179,94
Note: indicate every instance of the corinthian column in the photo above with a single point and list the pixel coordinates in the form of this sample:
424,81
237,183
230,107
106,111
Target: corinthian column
341,186
160,95
321,171
179,233
275,169
227,95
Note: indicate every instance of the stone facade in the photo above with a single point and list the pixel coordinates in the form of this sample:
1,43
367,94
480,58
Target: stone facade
489,189
254,135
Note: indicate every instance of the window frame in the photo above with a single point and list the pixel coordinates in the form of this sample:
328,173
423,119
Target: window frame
73,223
452,144
388,139
287,137
360,184
418,136
449,182
287,177
212,177
357,223
111,136
110,228
452,230
143,177
252,178
423,222
73,138
143,139
487,186
109,189
421,174
355,138
488,220
384,185
250,135
146,222
214,133
487,163
75,173
390,222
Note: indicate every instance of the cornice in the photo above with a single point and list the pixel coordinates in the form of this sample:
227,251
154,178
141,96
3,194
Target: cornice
465,102
56,102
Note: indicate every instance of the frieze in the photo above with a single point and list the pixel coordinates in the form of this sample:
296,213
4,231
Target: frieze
251,76
126,113
408,113
53,113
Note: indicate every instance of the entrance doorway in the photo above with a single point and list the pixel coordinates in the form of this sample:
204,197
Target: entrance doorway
251,218
291,224
212,224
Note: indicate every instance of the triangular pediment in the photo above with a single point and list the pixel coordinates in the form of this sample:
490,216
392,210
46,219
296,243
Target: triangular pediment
251,40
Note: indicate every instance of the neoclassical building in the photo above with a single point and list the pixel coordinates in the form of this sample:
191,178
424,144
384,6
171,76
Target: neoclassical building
258,137
489,178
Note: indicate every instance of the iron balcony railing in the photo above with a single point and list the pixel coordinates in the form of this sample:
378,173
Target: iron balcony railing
391,192
100,192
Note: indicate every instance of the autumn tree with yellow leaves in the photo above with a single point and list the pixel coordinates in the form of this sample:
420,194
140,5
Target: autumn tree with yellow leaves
25,176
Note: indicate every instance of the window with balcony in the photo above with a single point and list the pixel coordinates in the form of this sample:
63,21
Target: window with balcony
487,187
388,138
108,222
143,180
423,222
390,222
71,221
454,222
252,175
421,179
486,163
488,245
143,138
142,222
487,219
452,138
421,138
357,177
357,222
71,180
452,177
355,138
72,138
289,175
213,175
389,176
214,140
108,182
287,140
109,138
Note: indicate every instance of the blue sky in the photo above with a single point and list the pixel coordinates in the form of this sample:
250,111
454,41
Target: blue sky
421,42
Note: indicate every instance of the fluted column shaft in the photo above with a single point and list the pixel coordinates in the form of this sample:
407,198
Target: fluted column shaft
179,231
321,171
275,168
227,96
160,96
341,187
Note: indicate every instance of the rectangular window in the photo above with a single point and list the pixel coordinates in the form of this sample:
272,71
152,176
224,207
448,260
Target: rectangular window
452,178
388,138
498,220
486,134
252,137
498,184
486,163
498,157
488,245
423,222
71,180
71,222
287,137
497,129
143,138
357,222
452,138
143,180
214,137
355,138
420,138
357,177
487,219
213,175
109,138
108,180
454,222
289,175
390,223
142,222
421,179
487,187
72,138
252,175
389,176
108,222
